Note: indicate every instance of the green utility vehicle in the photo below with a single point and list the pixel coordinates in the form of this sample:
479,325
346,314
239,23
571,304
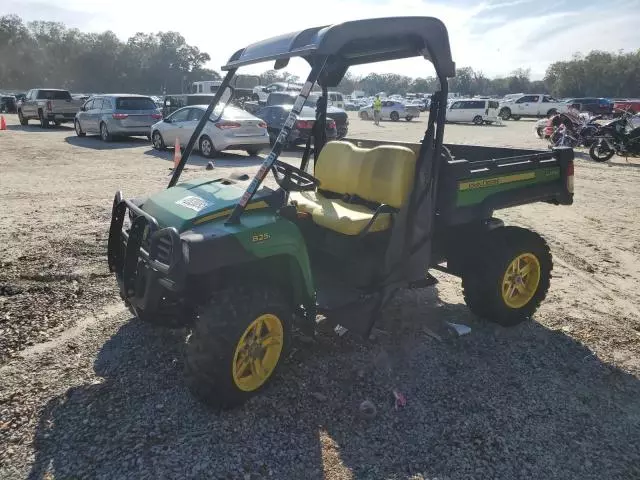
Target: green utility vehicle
239,264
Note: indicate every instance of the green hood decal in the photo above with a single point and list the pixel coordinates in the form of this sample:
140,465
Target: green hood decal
197,202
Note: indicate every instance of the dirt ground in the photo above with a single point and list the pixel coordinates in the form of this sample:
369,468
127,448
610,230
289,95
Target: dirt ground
87,392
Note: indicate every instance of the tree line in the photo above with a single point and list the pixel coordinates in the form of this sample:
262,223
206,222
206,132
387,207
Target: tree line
50,54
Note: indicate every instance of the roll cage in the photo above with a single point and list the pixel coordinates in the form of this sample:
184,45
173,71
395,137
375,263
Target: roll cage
330,51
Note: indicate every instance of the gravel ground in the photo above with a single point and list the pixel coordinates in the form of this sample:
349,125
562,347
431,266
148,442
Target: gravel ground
87,392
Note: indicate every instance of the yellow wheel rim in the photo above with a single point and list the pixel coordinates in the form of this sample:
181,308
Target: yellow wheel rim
520,281
257,352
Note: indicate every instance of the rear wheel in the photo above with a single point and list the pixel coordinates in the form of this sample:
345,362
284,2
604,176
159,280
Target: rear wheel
253,151
394,116
206,147
509,276
236,345
105,135
515,117
408,118
78,128
477,120
44,121
23,121
57,123
364,115
505,113
551,112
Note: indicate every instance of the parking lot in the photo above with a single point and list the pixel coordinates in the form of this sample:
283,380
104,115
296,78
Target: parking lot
87,392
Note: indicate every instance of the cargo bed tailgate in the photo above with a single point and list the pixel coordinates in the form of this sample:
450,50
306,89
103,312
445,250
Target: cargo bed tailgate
471,189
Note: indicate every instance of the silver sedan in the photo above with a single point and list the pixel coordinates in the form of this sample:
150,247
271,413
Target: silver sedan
391,110
234,130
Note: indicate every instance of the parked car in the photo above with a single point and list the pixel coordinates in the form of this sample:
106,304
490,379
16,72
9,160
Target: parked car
276,115
474,110
538,105
48,105
8,104
337,114
234,130
595,106
391,110
117,115
261,93
621,105
335,99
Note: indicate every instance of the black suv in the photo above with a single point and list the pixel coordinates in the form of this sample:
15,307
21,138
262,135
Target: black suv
338,115
8,104
596,106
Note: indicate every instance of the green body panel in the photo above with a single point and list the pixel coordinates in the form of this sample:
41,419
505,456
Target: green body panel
261,232
471,192
205,197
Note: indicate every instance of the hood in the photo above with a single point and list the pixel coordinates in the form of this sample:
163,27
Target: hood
199,201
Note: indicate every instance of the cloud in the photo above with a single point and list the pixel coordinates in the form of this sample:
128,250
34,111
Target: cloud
494,36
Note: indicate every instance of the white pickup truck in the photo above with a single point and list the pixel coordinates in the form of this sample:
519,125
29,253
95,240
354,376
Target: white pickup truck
48,105
531,105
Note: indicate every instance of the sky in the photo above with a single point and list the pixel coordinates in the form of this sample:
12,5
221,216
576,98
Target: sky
492,36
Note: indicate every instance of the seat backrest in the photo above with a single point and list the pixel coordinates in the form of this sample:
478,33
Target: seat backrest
383,174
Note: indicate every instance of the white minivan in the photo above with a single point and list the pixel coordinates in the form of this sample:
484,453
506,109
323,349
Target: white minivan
335,100
476,110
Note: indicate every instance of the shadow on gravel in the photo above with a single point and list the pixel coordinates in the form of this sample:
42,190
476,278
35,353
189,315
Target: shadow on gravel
95,143
520,403
221,160
36,128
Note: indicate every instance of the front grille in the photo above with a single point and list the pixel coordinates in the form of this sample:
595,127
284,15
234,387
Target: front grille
163,250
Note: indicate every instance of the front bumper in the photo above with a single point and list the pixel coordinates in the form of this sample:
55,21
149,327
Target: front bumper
147,260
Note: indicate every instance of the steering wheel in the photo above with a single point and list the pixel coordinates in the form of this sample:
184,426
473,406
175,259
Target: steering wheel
292,179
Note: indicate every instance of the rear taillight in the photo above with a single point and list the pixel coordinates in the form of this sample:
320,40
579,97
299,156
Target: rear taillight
570,177
304,124
49,105
331,124
156,116
119,116
227,125
262,125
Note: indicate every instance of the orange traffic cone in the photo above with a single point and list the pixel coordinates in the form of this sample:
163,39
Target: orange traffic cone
177,155
3,124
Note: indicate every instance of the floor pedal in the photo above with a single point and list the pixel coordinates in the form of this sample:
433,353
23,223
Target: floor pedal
427,281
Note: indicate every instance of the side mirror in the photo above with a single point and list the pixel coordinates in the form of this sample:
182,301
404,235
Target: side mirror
167,120
265,89
167,103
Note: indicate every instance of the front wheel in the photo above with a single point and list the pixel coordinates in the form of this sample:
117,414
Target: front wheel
394,116
505,114
157,141
408,118
253,151
551,113
237,343
23,121
601,151
364,115
78,129
515,117
509,275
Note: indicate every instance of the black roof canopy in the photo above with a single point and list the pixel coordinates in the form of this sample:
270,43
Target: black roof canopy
357,42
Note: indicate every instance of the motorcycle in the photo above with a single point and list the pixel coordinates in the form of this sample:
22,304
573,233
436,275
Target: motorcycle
620,136
571,129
